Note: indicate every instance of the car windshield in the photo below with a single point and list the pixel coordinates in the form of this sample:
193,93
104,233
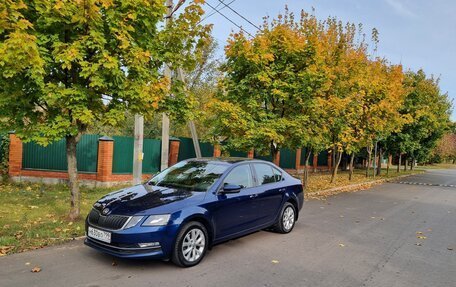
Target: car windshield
191,175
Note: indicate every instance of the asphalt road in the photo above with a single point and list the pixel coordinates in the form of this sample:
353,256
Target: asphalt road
367,238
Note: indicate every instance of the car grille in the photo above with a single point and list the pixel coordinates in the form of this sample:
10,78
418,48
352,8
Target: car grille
110,222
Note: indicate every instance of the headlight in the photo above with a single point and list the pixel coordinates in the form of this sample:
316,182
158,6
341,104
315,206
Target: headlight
133,221
157,220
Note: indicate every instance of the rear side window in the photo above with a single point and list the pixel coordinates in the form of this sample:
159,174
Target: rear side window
240,175
277,174
264,173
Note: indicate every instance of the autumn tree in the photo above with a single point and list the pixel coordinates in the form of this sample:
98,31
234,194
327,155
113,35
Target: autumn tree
446,148
67,63
428,110
266,99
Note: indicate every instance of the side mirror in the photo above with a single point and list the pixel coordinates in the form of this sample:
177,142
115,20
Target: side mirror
231,188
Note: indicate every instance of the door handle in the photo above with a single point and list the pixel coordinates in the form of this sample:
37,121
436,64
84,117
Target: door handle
253,195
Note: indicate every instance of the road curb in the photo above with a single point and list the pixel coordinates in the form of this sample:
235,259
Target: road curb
322,194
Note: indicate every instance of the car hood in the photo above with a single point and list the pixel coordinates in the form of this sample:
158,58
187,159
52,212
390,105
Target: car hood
146,199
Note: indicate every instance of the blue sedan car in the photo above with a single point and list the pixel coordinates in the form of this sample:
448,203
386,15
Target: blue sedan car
189,207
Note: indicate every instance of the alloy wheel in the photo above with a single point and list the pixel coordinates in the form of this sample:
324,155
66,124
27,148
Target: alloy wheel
288,218
193,244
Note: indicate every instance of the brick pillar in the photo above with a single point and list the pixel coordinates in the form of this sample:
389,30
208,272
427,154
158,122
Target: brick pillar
276,159
15,155
315,162
250,153
173,155
105,156
298,159
217,151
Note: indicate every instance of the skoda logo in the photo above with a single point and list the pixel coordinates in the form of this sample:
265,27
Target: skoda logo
105,211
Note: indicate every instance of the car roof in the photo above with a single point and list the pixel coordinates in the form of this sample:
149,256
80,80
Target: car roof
227,160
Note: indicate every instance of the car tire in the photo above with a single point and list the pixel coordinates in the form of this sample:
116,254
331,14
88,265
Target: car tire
287,219
191,245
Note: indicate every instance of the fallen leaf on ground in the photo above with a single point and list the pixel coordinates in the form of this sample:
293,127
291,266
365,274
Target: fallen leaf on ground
27,263
114,263
275,261
5,249
18,234
418,244
341,245
450,248
421,237
36,269
419,232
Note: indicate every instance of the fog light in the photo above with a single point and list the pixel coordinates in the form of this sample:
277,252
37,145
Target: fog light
149,244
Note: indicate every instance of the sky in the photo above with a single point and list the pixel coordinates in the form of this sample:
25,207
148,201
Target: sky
416,33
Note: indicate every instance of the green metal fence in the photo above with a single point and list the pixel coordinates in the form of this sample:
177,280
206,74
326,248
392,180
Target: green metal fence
287,158
187,149
53,156
235,153
322,158
263,157
303,157
122,161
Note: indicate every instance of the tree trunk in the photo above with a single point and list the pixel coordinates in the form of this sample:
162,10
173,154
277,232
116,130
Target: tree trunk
369,156
399,163
71,142
306,170
379,162
350,173
406,163
315,165
388,164
336,166
333,161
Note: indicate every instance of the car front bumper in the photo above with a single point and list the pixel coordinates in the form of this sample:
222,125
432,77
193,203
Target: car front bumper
124,243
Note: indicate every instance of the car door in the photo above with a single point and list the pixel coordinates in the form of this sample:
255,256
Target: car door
236,212
269,192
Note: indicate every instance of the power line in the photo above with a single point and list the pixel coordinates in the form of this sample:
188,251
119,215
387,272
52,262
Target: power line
234,11
214,12
232,22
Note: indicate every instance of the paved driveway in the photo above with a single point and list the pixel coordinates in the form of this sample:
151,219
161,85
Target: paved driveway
366,238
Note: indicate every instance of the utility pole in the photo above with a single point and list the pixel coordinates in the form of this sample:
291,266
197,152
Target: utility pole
165,118
191,124
138,149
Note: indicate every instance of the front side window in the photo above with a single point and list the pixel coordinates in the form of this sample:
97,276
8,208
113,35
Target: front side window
240,175
264,173
191,175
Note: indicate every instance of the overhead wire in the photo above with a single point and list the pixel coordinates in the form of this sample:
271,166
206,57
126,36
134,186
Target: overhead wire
237,13
232,22
214,12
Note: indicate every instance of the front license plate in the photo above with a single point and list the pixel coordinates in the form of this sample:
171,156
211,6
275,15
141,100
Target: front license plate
99,234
